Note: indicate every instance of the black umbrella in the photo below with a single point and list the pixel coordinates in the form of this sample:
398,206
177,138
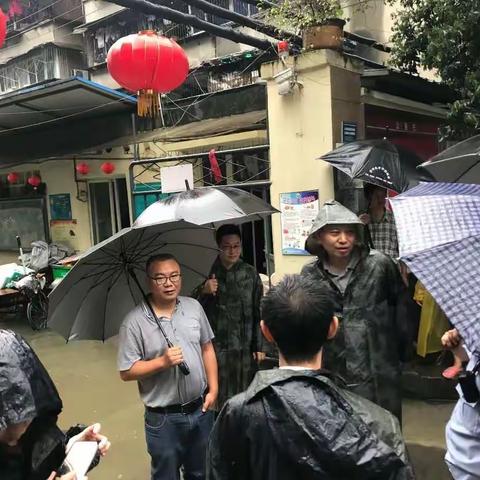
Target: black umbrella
109,279
379,162
457,164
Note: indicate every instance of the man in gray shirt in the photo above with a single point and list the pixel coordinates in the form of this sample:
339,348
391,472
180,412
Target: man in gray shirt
178,419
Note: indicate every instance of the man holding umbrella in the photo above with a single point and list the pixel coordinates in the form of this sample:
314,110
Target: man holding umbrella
379,221
156,346
365,286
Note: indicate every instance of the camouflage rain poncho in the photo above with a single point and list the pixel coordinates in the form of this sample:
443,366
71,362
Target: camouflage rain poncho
234,315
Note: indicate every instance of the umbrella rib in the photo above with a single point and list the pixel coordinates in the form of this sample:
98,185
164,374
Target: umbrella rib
134,241
159,247
154,238
113,280
93,274
83,299
466,171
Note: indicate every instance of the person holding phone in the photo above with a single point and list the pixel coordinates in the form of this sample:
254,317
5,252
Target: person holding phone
32,446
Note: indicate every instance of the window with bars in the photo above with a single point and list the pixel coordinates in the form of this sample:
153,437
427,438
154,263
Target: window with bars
45,63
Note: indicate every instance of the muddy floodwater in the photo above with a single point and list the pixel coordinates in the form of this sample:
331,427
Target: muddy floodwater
86,377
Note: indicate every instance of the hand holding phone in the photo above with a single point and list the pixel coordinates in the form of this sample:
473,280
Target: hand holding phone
79,458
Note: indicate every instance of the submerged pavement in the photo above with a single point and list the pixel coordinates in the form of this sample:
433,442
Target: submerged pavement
90,387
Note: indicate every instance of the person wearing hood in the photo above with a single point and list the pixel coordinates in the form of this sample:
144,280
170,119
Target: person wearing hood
365,285
297,421
32,447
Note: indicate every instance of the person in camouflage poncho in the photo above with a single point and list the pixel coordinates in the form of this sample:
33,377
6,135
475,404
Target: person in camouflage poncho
365,285
231,299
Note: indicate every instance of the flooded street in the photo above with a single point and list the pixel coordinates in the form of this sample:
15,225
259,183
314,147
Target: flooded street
86,377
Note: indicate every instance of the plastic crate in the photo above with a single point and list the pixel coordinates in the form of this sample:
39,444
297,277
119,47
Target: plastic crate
60,271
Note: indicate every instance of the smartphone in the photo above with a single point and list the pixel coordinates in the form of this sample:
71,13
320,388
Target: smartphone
79,458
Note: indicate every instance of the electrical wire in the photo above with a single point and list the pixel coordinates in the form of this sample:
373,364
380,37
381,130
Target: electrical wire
23,127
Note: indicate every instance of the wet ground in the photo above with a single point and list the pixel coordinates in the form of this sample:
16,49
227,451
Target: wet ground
86,377
91,390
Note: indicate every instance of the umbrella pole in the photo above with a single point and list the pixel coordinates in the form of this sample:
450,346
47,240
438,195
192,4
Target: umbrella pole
182,366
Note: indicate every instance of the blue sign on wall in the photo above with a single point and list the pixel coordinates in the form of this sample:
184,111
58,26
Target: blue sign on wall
60,206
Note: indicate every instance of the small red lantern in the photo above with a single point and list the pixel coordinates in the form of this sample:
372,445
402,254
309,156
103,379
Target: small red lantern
13,177
3,27
34,181
107,168
283,50
147,64
83,168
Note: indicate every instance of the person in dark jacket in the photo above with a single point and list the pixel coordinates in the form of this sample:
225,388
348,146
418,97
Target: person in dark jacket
296,422
32,446
231,299
365,285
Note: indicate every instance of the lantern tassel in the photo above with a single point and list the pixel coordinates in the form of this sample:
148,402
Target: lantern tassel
148,103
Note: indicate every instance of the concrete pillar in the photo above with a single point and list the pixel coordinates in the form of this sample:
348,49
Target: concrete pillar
304,125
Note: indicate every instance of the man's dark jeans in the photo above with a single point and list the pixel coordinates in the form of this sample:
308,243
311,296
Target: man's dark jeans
176,440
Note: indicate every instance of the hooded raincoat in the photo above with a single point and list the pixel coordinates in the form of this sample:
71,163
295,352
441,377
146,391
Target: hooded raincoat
27,393
301,425
367,349
234,315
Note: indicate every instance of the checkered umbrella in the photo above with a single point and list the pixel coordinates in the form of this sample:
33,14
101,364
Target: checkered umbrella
439,238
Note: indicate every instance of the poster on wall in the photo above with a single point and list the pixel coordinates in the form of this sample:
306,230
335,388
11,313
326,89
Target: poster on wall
64,232
298,211
60,206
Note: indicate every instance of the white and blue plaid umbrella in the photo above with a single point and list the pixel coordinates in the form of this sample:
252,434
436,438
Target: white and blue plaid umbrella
439,238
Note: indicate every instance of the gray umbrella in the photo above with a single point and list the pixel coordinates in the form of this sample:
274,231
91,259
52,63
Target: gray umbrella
457,164
207,206
93,299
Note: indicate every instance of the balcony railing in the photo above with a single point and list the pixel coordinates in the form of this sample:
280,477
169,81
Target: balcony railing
37,11
105,36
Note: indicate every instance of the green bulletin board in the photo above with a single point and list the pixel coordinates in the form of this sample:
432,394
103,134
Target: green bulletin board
60,206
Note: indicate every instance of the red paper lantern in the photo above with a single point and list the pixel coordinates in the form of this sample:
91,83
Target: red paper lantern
107,168
83,168
13,177
283,50
283,46
147,64
34,181
3,27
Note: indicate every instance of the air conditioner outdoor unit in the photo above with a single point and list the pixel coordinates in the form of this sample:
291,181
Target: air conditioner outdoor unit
77,72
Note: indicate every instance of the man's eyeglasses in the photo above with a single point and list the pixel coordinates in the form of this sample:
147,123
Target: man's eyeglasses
233,248
160,281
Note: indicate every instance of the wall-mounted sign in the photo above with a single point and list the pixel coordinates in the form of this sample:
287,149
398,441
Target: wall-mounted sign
298,211
60,206
64,232
349,132
175,179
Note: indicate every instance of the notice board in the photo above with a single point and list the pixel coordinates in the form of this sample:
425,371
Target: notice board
25,218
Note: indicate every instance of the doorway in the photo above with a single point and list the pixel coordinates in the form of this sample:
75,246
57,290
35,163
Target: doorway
108,207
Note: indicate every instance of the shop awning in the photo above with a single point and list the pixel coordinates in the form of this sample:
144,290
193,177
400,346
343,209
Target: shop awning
61,117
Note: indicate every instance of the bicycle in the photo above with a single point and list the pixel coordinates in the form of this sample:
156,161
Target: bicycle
31,287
